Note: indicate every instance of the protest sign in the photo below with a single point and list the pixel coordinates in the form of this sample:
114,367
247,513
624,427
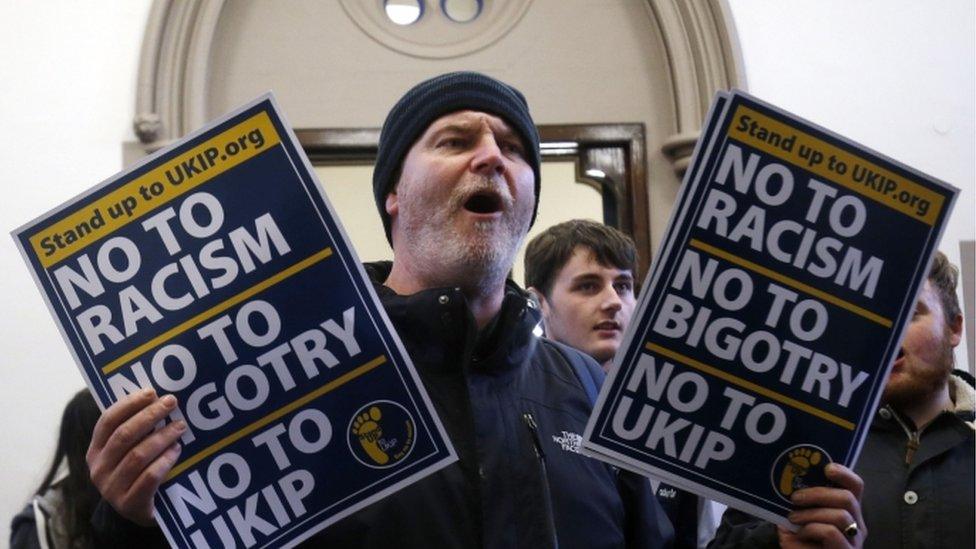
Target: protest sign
774,309
216,271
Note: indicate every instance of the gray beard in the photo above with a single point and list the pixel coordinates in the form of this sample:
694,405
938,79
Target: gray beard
476,264
473,266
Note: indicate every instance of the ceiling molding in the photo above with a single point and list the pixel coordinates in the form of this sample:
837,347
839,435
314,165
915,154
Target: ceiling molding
171,89
171,99
703,57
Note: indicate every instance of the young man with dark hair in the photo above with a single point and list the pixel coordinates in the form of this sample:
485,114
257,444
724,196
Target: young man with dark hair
582,273
918,458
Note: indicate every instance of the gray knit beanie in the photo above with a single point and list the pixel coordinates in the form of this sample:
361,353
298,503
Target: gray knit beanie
431,99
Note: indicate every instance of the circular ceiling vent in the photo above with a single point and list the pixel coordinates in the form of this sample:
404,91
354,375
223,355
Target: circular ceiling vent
435,28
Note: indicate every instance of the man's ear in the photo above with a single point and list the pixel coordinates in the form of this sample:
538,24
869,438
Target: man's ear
955,331
392,204
540,301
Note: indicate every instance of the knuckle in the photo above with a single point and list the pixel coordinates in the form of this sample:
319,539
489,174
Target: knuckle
134,460
124,436
159,409
96,474
109,417
99,474
169,458
850,500
124,502
150,480
140,456
157,475
115,498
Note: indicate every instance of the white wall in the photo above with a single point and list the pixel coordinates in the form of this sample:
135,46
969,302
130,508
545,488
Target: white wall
894,75
67,101
864,69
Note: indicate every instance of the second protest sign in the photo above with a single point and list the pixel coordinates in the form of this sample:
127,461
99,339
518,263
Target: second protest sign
765,331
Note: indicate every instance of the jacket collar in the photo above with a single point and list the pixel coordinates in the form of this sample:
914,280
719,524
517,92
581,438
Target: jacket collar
438,329
964,399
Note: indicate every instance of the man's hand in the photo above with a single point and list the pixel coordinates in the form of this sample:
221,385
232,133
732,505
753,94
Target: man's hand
824,513
127,460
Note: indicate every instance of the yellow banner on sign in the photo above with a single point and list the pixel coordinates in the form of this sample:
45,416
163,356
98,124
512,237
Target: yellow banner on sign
836,164
175,177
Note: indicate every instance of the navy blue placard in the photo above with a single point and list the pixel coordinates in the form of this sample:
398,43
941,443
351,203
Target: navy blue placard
216,271
767,326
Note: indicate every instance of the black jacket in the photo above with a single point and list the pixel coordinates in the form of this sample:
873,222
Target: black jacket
514,409
927,502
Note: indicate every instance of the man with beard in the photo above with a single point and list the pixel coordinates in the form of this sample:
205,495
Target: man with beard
918,458
456,183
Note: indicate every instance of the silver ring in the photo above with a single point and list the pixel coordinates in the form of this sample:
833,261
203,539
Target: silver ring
851,531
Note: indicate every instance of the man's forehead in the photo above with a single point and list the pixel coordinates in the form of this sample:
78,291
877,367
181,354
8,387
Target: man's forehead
929,297
470,119
586,264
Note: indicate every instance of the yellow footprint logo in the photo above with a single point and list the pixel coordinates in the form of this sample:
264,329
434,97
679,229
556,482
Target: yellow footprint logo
367,429
380,434
797,467
800,461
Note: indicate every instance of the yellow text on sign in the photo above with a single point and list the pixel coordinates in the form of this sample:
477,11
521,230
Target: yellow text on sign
886,187
215,156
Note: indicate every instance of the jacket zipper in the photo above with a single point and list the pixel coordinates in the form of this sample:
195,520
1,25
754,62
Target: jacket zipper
546,494
913,438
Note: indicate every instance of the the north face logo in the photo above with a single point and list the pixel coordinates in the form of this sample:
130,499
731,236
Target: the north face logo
571,442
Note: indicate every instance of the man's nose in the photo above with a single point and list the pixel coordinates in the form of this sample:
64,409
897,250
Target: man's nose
611,299
487,159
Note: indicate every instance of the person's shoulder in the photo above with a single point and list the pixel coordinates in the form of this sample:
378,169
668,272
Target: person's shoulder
25,516
23,529
571,354
580,365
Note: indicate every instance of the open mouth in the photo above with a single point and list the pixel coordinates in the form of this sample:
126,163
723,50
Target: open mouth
607,325
897,364
484,202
